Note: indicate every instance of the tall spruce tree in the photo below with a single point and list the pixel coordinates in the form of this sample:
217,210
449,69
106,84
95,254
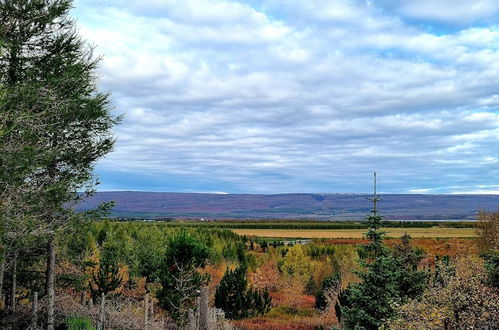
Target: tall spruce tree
388,279
367,303
51,72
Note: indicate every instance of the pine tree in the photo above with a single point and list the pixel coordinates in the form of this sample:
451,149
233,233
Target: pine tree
375,247
55,110
179,277
384,281
236,300
230,295
368,303
372,301
330,286
412,282
107,279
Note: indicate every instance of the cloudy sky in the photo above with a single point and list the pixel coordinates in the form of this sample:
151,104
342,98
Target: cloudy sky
299,96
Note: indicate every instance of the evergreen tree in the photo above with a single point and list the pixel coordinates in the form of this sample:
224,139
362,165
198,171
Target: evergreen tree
330,287
389,279
230,295
236,300
107,279
54,108
412,282
179,277
370,302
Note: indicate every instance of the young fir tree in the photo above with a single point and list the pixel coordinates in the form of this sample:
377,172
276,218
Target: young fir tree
107,279
46,66
368,303
412,282
387,280
330,287
236,300
180,280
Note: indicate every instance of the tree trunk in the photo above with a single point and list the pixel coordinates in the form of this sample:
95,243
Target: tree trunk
204,309
146,311
191,321
100,326
50,284
151,307
2,272
34,311
14,284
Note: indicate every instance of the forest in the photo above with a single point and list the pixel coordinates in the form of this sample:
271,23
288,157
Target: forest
63,269
135,275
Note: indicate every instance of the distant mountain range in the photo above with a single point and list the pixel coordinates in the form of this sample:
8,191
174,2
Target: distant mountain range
292,206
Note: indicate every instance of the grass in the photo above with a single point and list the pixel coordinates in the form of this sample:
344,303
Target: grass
432,232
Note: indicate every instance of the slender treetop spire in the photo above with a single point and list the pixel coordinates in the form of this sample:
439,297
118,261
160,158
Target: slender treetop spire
375,198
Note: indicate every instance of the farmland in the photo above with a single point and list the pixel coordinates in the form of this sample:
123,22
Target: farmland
432,232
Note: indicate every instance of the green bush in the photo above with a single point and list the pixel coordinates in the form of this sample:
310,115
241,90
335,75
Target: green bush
79,323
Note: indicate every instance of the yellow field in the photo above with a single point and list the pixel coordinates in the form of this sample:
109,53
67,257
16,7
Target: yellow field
357,233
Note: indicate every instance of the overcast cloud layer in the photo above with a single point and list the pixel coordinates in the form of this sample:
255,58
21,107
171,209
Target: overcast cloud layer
299,96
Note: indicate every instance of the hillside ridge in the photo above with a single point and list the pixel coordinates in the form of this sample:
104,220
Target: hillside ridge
314,206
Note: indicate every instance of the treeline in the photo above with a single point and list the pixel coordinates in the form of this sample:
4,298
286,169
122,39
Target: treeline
264,224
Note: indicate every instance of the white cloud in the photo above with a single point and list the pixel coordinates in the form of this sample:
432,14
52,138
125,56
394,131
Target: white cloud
298,96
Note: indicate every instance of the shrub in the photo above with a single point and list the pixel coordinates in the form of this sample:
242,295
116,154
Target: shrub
79,323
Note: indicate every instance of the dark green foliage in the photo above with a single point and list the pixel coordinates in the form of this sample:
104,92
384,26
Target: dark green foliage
375,235
236,300
183,249
492,268
107,278
149,257
241,255
389,279
79,323
330,285
412,282
372,300
258,303
319,251
179,277
42,53
341,301
54,125
230,295
386,281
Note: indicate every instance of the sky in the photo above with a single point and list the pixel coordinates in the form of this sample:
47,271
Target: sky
299,96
